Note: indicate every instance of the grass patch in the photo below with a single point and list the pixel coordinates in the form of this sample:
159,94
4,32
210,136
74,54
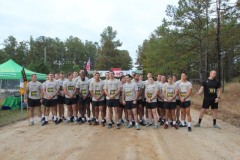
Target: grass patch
11,116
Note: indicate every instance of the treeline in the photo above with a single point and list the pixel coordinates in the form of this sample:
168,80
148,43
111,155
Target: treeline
187,40
47,54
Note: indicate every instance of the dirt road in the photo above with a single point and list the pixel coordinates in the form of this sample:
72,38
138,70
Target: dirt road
19,141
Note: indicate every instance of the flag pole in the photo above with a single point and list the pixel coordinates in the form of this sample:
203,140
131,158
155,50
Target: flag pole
24,87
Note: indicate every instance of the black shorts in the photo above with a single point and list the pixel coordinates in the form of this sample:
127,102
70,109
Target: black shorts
160,104
144,102
34,102
209,102
77,97
130,105
178,102
185,104
152,105
121,105
44,102
113,102
70,101
84,102
51,102
170,105
98,103
61,99
140,102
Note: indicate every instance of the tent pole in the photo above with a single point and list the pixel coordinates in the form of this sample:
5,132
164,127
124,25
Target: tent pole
21,104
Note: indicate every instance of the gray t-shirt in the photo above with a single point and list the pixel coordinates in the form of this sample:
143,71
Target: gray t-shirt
170,90
60,81
112,86
140,85
70,87
97,89
34,90
160,85
83,87
129,90
150,91
184,89
177,85
51,88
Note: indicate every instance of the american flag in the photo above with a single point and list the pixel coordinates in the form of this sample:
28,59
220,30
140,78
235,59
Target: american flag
88,65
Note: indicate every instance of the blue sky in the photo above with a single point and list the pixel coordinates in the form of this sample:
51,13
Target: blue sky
133,19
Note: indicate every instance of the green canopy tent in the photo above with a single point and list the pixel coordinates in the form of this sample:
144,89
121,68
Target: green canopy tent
12,70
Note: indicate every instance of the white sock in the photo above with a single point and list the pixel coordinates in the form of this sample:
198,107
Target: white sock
131,123
68,118
174,122
31,119
46,118
96,120
83,119
88,119
167,122
75,118
183,123
189,124
54,118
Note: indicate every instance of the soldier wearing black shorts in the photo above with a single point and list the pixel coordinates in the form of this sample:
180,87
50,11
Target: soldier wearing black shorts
61,98
33,96
50,89
212,93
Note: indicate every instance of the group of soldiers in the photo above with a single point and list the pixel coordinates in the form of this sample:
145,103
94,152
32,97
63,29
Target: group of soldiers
133,102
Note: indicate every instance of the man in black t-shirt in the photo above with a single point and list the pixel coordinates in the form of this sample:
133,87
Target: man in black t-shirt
212,93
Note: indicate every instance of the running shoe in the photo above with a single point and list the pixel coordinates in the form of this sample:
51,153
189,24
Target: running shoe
89,122
137,127
129,125
96,123
178,122
118,125
148,124
160,119
31,123
122,121
189,129
71,118
165,126
63,118
155,127
197,125
44,123
43,118
112,122
181,125
175,126
75,122
109,125
141,123
216,126
93,119
60,120
56,121
67,121
133,123
103,123
161,123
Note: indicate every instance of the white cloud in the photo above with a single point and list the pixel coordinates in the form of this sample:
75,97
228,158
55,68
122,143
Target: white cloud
133,19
